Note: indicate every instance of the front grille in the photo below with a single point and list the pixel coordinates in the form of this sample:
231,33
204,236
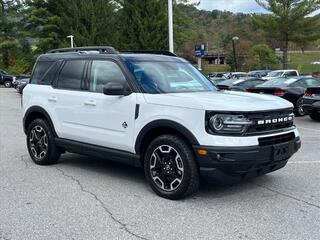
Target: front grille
256,128
267,141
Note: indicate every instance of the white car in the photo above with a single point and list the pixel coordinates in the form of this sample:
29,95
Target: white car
281,73
157,112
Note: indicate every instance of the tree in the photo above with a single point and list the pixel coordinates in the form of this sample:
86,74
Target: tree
264,56
143,24
43,24
289,20
9,30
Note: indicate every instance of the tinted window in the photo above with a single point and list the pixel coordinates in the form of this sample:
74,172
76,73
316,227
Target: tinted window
50,74
291,73
71,75
103,72
39,70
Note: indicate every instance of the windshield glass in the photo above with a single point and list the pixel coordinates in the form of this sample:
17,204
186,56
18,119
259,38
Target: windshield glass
279,82
274,74
169,77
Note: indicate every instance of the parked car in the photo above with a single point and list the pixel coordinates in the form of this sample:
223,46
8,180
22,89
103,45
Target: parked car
291,89
240,84
236,75
6,79
281,73
315,62
311,103
21,84
258,73
153,111
216,77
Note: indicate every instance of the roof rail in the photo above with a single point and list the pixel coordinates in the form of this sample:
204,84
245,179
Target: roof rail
159,52
101,49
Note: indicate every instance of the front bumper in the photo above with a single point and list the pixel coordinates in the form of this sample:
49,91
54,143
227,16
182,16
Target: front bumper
232,164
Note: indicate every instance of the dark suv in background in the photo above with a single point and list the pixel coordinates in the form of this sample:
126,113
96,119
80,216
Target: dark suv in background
6,79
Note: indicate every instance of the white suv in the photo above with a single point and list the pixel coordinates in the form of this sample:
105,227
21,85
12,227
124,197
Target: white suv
157,111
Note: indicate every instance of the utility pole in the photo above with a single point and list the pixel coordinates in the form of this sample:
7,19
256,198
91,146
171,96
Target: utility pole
71,40
170,27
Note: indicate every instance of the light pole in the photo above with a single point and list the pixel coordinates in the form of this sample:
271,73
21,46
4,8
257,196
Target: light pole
170,27
234,40
71,40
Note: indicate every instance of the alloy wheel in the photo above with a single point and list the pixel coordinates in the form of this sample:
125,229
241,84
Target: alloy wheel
38,142
166,168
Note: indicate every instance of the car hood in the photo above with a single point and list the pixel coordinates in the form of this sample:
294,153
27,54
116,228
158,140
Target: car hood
219,101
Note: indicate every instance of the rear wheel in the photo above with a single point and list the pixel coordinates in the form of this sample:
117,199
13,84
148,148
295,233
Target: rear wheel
170,167
299,111
7,84
41,144
315,116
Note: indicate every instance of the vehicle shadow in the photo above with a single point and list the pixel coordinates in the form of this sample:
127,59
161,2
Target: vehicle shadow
118,171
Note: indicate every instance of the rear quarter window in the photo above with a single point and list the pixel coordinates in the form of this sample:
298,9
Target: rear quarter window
39,71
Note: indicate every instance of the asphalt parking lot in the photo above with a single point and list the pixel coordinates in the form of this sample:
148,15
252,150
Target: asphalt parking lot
88,198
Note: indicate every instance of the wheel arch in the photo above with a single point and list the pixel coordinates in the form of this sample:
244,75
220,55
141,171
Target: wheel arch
37,112
160,127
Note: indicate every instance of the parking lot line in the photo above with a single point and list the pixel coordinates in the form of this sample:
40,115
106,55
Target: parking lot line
302,162
310,129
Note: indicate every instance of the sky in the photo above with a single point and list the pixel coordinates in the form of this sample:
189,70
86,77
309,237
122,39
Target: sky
246,6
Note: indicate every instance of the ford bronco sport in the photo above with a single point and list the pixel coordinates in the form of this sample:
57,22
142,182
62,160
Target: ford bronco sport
155,110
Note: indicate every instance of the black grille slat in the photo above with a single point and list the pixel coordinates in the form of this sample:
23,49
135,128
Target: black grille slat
267,141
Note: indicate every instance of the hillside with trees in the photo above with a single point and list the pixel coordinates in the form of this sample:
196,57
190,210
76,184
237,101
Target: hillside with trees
31,27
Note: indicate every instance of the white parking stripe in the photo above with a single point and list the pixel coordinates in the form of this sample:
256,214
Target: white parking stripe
298,162
309,129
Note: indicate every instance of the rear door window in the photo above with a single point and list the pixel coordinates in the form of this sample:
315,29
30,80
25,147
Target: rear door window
71,75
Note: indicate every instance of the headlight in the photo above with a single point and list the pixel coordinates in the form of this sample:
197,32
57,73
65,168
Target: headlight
228,123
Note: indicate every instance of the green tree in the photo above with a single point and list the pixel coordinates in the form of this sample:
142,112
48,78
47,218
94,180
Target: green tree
289,20
143,24
9,30
43,24
264,56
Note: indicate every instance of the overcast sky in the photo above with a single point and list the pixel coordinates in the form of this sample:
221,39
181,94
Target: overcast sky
246,6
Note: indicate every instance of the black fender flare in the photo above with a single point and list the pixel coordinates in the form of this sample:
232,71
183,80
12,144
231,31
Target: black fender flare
162,123
40,111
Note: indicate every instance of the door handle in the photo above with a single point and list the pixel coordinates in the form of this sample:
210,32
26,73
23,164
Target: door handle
90,103
52,99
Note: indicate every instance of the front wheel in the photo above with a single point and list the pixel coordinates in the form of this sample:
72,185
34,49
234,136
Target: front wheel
299,111
7,84
41,144
170,167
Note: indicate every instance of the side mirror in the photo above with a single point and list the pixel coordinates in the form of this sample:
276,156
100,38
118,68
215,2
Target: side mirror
115,89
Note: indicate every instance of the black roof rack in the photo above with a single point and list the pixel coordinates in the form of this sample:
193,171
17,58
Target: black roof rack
167,53
101,49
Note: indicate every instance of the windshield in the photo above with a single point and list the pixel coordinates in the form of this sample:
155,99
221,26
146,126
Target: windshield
279,82
169,77
274,74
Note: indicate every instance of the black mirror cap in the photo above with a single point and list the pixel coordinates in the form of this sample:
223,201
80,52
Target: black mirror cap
115,89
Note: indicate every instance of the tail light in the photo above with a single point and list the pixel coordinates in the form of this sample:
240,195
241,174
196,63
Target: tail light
279,92
309,94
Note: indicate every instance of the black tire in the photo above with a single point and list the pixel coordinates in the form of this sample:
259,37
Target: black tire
7,84
187,171
315,116
41,144
298,109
